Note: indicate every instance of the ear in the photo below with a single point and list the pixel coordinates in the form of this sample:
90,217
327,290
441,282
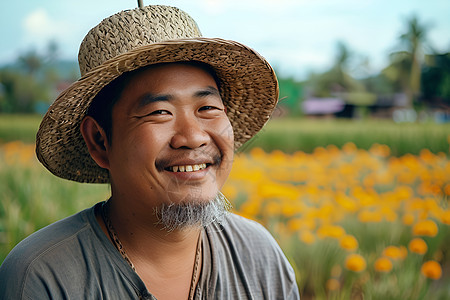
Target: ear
96,141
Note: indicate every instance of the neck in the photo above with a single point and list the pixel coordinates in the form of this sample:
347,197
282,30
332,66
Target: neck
160,258
142,236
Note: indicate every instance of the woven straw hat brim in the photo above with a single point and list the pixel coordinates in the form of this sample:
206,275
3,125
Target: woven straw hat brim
249,90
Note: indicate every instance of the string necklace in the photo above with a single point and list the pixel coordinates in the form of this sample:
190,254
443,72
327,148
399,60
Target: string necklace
115,238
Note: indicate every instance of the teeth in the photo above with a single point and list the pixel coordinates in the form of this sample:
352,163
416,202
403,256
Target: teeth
188,168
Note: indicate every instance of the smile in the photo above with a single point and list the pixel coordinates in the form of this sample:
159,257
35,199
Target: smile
187,168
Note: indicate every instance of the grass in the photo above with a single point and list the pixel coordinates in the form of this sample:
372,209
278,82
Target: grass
31,197
19,127
290,135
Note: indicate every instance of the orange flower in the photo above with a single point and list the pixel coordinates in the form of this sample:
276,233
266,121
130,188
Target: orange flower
425,227
431,269
395,253
349,242
307,237
408,219
355,263
383,264
333,231
333,284
445,216
366,216
418,246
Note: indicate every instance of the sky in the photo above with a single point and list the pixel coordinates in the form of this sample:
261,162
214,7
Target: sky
296,36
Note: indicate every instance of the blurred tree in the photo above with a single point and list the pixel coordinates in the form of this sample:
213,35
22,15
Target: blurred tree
20,92
337,79
414,39
31,61
405,67
436,79
52,54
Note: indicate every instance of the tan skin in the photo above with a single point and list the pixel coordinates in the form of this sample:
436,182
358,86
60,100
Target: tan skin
170,115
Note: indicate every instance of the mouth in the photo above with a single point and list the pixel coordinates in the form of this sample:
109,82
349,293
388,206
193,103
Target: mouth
187,165
187,168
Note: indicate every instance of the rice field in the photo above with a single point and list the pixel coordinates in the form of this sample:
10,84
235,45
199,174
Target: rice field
354,223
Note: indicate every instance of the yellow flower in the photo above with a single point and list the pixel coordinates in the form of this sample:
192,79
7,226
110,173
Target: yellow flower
431,269
445,216
307,237
425,227
336,271
383,264
333,284
408,219
418,246
447,189
355,263
257,153
333,231
366,216
395,253
230,191
297,224
349,242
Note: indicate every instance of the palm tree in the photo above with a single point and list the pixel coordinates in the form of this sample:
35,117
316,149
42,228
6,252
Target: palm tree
414,39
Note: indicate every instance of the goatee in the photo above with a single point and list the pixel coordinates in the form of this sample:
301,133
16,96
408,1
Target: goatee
176,216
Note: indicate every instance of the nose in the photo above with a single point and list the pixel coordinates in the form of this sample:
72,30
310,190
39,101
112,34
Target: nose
189,133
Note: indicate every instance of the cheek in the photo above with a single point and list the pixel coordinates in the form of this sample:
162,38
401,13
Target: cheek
225,143
225,137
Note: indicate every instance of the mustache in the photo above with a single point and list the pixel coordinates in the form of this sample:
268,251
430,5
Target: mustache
211,159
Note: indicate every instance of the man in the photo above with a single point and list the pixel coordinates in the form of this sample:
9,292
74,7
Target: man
157,113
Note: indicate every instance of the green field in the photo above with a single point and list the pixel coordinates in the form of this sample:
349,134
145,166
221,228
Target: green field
290,135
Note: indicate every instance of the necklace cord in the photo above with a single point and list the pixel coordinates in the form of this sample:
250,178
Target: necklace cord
118,245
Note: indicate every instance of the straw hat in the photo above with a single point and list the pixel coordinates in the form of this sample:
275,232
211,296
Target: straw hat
136,38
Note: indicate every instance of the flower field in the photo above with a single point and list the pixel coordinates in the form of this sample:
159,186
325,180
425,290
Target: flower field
355,224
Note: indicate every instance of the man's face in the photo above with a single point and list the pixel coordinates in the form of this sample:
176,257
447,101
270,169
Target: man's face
172,141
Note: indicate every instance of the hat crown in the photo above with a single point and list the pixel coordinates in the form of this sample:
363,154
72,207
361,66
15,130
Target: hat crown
131,29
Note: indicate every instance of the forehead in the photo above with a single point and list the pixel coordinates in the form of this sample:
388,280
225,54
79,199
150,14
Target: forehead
172,78
160,74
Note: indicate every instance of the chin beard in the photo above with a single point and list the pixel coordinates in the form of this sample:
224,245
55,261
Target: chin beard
176,216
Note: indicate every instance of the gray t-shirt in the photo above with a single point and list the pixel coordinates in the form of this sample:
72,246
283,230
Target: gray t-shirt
73,259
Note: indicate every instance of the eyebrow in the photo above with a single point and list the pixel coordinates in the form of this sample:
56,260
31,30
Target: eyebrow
149,98
207,92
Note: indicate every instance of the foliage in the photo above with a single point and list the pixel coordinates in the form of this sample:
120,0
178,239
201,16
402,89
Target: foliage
31,83
436,78
20,92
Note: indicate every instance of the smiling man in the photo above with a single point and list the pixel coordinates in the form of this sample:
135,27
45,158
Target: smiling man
158,114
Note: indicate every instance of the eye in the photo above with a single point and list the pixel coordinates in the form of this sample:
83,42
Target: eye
209,107
159,112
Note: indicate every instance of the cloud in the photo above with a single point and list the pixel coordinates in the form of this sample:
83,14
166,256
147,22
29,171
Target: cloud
38,24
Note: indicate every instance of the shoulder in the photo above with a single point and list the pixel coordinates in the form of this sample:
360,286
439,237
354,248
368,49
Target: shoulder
41,250
245,245
248,241
248,232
